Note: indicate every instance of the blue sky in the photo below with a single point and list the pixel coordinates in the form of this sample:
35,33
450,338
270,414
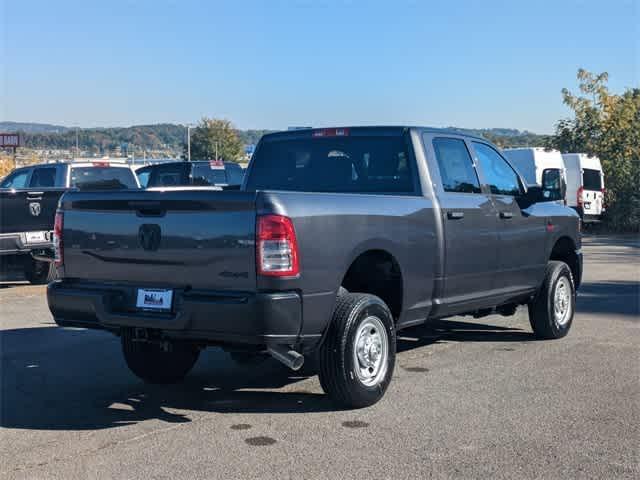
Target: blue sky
281,63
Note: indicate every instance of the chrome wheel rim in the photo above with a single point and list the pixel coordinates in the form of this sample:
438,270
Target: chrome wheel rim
562,301
371,351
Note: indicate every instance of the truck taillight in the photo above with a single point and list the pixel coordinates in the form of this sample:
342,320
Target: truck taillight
604,198
579,196
276,247
57,239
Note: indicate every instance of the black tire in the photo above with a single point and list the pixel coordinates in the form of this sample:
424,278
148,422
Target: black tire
336,359
152,364
546,323
39,273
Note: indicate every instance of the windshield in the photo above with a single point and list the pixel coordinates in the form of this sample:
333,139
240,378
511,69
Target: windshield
102,177
371,164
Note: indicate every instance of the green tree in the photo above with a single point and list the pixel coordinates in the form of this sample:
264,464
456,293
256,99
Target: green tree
215,135
608,126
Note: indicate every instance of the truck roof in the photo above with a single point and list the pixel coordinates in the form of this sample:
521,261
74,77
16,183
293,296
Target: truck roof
367,130
96,163
582,160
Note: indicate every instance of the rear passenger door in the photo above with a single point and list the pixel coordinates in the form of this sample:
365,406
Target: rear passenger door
469,220
521,235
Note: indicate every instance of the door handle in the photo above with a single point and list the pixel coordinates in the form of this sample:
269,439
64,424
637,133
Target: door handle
34,196
455,215
506,215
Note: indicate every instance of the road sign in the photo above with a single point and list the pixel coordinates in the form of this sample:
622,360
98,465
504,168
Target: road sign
9,140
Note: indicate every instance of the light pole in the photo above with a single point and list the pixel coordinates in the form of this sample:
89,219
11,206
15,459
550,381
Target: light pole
188,142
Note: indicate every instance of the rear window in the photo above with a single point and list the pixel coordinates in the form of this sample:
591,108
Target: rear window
102,177
333,164
591,179
205,174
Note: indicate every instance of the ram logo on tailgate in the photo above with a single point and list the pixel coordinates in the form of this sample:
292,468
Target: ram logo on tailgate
35,209
149,237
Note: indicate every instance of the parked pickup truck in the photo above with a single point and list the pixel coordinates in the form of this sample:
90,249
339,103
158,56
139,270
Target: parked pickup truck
28,201
337,239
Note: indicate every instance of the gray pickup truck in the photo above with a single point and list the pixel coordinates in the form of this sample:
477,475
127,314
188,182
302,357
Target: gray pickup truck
337,239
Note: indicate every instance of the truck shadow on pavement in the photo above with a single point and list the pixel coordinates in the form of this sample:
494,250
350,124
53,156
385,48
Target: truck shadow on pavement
73,379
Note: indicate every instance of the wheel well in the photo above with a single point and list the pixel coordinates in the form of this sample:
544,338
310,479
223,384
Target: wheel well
564,250
376,272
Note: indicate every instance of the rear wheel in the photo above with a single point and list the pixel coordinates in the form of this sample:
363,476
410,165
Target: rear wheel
551,311
357,358
39,273
154,364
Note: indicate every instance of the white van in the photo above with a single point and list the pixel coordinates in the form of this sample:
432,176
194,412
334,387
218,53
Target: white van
585,185
544,168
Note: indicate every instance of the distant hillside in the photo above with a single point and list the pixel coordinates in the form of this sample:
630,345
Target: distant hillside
9,127
507,137
168,136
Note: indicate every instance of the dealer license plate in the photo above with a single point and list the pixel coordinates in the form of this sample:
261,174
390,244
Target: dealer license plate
36,237
154,299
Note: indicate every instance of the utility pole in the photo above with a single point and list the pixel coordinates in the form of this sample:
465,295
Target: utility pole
77,148
216,151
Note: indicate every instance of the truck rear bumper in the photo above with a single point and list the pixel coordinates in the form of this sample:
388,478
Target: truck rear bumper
211,317
15,243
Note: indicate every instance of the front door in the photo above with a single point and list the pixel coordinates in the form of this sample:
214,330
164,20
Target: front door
521,235
469,220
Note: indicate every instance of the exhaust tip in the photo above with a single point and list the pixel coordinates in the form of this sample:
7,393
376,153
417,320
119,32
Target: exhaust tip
286,356
297,363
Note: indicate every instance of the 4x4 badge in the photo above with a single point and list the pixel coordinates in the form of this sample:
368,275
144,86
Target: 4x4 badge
34,209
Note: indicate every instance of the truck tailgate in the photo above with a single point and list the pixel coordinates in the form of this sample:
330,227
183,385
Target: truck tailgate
28,210
200,239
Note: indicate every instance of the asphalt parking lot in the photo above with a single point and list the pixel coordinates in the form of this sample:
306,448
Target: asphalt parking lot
470,399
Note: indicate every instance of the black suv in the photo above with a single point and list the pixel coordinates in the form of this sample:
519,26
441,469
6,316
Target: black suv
198,173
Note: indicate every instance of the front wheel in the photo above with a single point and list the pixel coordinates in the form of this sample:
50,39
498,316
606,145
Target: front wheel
153,364
357,357
551,311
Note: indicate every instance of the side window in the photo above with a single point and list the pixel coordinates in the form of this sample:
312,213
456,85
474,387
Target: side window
43,177
456,167
16,179
502,179
143,177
